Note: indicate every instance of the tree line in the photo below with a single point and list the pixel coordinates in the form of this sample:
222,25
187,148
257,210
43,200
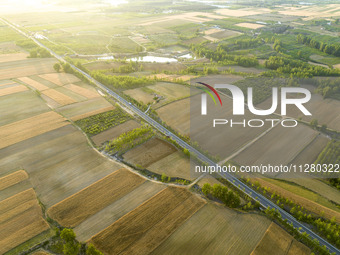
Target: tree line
331,49
220,192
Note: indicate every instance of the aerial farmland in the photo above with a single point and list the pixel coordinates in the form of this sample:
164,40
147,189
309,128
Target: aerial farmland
121,131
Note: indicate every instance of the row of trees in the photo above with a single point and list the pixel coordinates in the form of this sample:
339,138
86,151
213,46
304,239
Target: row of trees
328,228
130,139
39,53
121,82
220,192
221,56
329,88
298,68
331,49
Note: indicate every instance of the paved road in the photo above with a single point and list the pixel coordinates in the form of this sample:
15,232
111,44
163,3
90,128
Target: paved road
234,181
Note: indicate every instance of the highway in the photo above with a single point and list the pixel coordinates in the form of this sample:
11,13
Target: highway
234,181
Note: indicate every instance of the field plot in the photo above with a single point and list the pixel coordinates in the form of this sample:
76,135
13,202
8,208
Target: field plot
151,223
21,219
104,218
12,179
175,165
82,91
28,128
140,95
279,240
225,34
12,57
114,132
303,197
12,90
80,109
60,78
277,147
249,25
58,97
241,12
216,230
26,67
76,208
312,12
32,83
14,111
149,152
312,151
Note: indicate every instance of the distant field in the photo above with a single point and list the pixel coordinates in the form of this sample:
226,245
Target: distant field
224,34
82,91
20,220
241,12
149,152
249,25
151,222
12,57
78,207
114,132
279,240
216,230
58,97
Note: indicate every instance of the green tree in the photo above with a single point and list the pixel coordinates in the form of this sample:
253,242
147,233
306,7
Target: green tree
91,250
71,248
57,67
68,235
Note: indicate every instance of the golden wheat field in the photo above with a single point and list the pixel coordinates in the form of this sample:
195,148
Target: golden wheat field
20,220
12,179
76,208
36,85
12,90
30,127
279,240
60,78
58,97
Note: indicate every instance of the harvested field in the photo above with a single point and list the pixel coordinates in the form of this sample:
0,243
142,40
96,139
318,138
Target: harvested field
216,230
58,97
149,152
80,108
60,78
12,179
78,207
12,90
311,152
32,83
170,91
30,127
140,95
175,165
41,252
114,132
21,219
212,31
279,146
82,91
12,57
311,205
88,114
26,67
249,25
152,222
279,240
103,219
